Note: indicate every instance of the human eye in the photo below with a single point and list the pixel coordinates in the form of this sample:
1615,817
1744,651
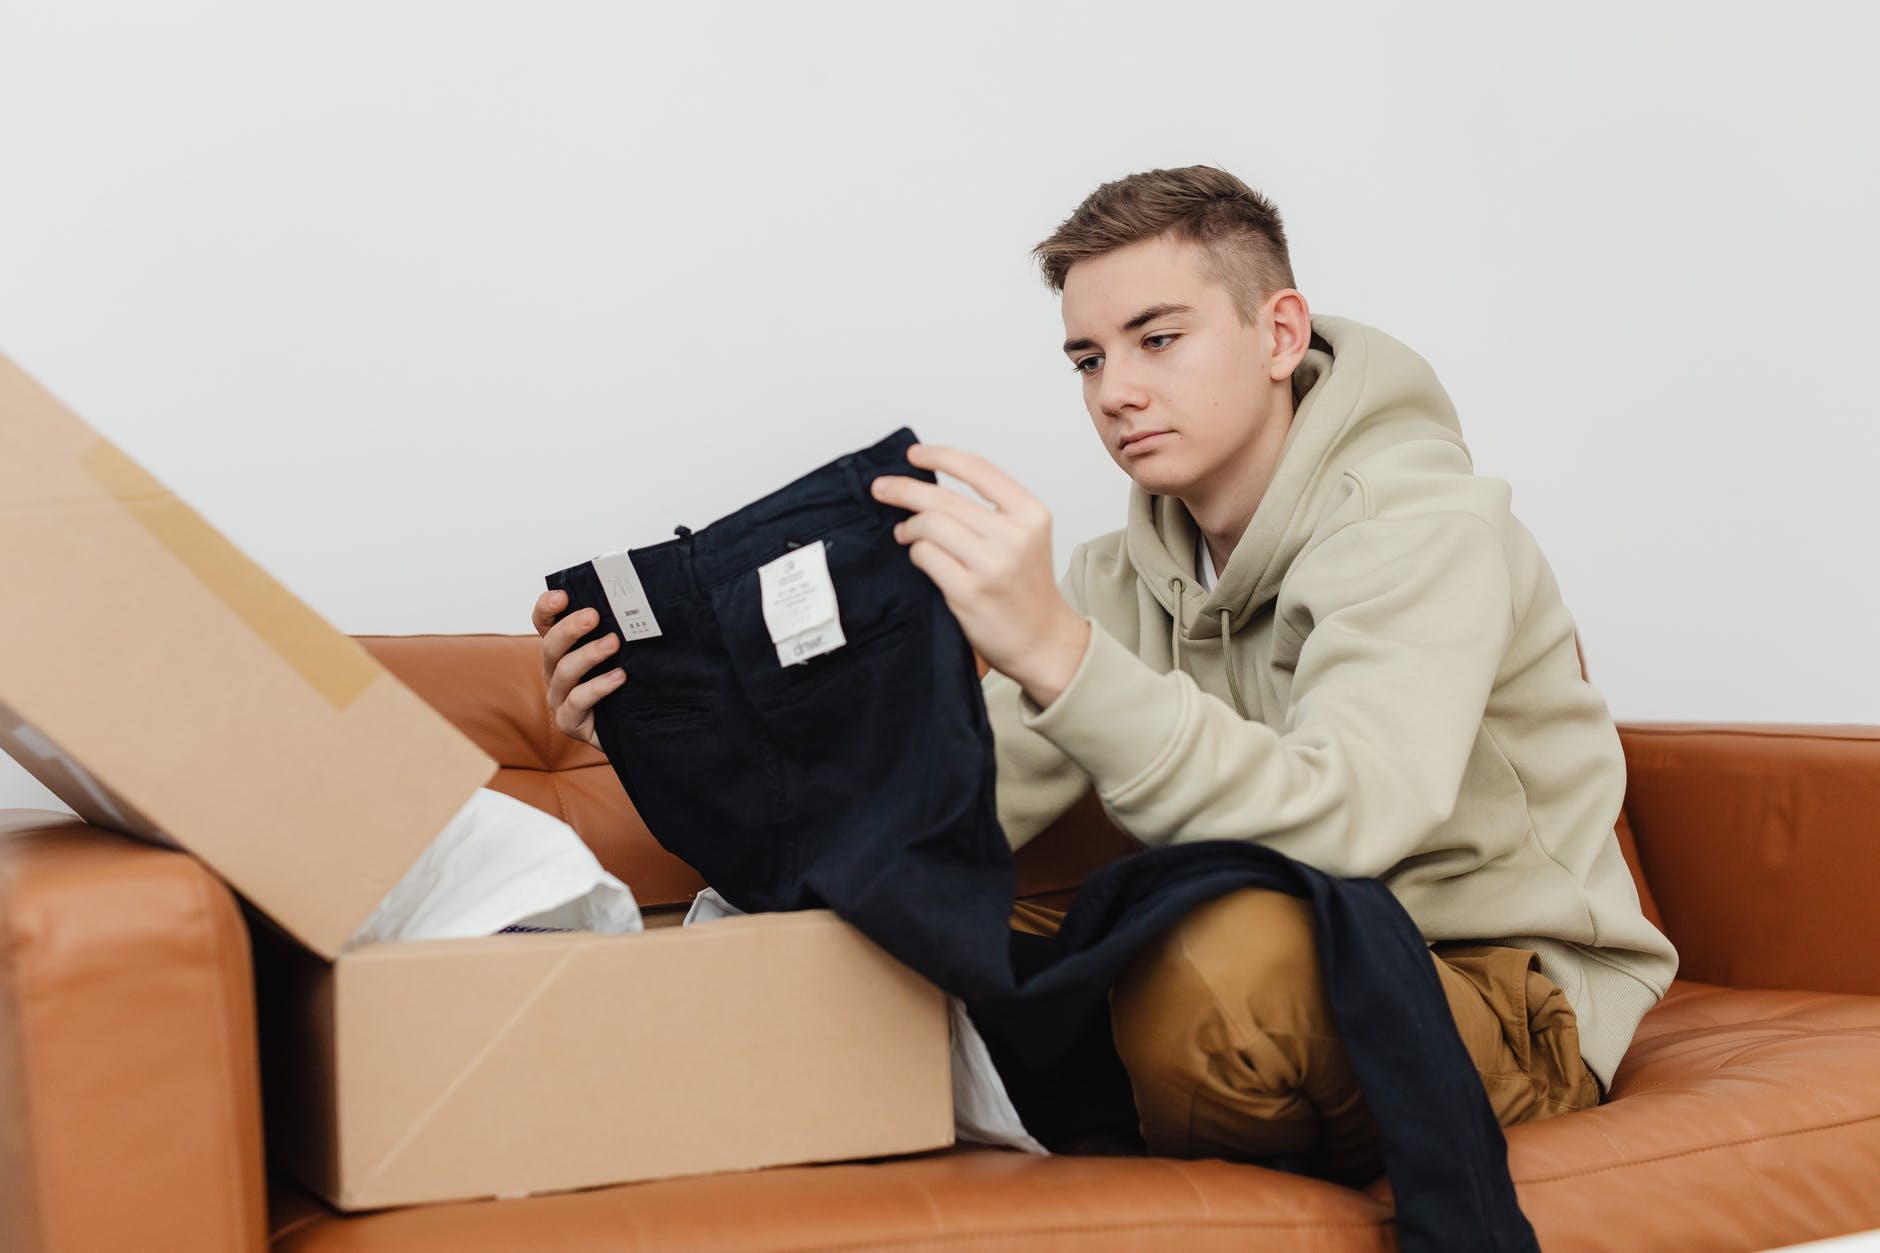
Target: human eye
1163,335
1077,366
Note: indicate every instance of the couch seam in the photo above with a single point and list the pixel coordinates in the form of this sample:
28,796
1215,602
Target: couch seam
303,1221
591,765
981,1234
561,802
1707,1148
1169,1168
14,947
229,1147
1769,734
935,1214
1816,1033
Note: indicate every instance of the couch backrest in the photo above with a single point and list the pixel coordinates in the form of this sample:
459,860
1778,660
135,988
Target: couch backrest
491,687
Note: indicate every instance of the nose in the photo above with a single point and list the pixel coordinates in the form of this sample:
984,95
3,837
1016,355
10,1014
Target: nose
1118,391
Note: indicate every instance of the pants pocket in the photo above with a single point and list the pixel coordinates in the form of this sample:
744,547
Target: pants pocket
881,601
1520,1031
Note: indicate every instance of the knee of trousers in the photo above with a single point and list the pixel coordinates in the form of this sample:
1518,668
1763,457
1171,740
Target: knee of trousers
1231,994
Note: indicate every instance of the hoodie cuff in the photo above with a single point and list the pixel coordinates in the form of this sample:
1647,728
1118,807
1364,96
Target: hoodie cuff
1115,718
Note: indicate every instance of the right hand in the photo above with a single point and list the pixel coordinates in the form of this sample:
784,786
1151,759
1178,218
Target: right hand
571,706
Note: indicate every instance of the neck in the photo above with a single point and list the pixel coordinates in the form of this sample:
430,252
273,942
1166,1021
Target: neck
1223,504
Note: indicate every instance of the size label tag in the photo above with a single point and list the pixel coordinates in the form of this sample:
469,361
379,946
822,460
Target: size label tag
800,605
811,643
626,597
798,593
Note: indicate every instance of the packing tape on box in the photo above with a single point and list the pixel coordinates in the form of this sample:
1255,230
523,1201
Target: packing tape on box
333,663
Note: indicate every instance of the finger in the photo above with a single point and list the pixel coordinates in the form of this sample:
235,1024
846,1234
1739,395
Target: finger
561,638
939,565
547,605
569,669
976,472
963,544
917,496
581,701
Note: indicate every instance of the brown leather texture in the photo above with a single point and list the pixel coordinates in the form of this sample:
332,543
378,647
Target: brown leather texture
1763,844
1742,1117
491,686
128,1080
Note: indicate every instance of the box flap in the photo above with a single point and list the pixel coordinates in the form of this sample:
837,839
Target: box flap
152,671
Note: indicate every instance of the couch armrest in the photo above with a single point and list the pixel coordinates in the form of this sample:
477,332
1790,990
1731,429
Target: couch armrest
1761,842
130,1114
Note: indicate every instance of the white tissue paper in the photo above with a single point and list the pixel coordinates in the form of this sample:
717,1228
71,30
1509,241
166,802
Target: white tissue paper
501,862
982,1109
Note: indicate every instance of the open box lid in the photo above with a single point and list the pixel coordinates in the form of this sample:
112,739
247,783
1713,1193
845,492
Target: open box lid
161,683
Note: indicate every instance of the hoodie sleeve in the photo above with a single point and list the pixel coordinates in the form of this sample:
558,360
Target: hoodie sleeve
1037,781
1410,617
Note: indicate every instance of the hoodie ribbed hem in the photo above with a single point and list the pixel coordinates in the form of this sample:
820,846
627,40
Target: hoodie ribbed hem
1608,1002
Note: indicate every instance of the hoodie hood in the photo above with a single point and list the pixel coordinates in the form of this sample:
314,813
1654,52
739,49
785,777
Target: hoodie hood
1356,391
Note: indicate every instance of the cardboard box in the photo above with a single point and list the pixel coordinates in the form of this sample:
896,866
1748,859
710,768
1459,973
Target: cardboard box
446,1069
162,684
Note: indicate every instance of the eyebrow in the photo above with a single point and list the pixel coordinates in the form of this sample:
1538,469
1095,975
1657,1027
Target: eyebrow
1141,319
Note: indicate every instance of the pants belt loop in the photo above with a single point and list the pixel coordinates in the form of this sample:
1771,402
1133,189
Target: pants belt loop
691,558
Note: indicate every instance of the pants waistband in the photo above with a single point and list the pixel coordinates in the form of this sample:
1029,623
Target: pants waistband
827,496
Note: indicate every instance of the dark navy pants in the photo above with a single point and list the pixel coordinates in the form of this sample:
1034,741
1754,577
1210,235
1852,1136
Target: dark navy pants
862,781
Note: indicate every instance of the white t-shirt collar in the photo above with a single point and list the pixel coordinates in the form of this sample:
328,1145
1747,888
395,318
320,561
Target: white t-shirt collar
1204,564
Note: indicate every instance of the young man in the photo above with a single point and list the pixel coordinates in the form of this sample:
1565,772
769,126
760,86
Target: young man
1318,630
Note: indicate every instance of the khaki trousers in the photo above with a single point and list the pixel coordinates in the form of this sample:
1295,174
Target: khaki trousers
1232,1052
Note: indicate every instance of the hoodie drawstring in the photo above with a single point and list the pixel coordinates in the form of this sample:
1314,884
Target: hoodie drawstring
1227,659
1180,588
1175,626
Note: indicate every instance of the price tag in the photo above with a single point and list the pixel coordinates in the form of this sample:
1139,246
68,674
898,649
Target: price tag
626,597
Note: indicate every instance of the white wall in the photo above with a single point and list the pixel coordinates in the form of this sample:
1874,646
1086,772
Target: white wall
420,302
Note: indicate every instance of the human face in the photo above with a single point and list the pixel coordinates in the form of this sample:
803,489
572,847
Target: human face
1178,390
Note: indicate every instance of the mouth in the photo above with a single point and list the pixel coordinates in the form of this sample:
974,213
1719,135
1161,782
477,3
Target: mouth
1142,441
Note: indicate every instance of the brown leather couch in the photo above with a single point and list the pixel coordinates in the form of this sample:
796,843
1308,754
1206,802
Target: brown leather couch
1745,1116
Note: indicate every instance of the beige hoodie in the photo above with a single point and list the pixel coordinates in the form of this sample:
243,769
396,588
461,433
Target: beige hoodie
1383,683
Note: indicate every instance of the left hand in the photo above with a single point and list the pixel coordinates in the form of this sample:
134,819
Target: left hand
993,564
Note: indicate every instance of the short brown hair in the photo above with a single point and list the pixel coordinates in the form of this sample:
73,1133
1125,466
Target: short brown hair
1239,230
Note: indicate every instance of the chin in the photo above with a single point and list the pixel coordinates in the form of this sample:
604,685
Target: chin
1159,480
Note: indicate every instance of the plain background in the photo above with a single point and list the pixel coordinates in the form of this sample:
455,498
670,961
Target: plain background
417,303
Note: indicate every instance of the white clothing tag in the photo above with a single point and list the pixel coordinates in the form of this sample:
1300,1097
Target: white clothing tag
626,597
798,594
824,638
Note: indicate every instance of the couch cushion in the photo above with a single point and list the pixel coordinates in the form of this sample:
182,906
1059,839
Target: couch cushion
491,687
1739,1120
